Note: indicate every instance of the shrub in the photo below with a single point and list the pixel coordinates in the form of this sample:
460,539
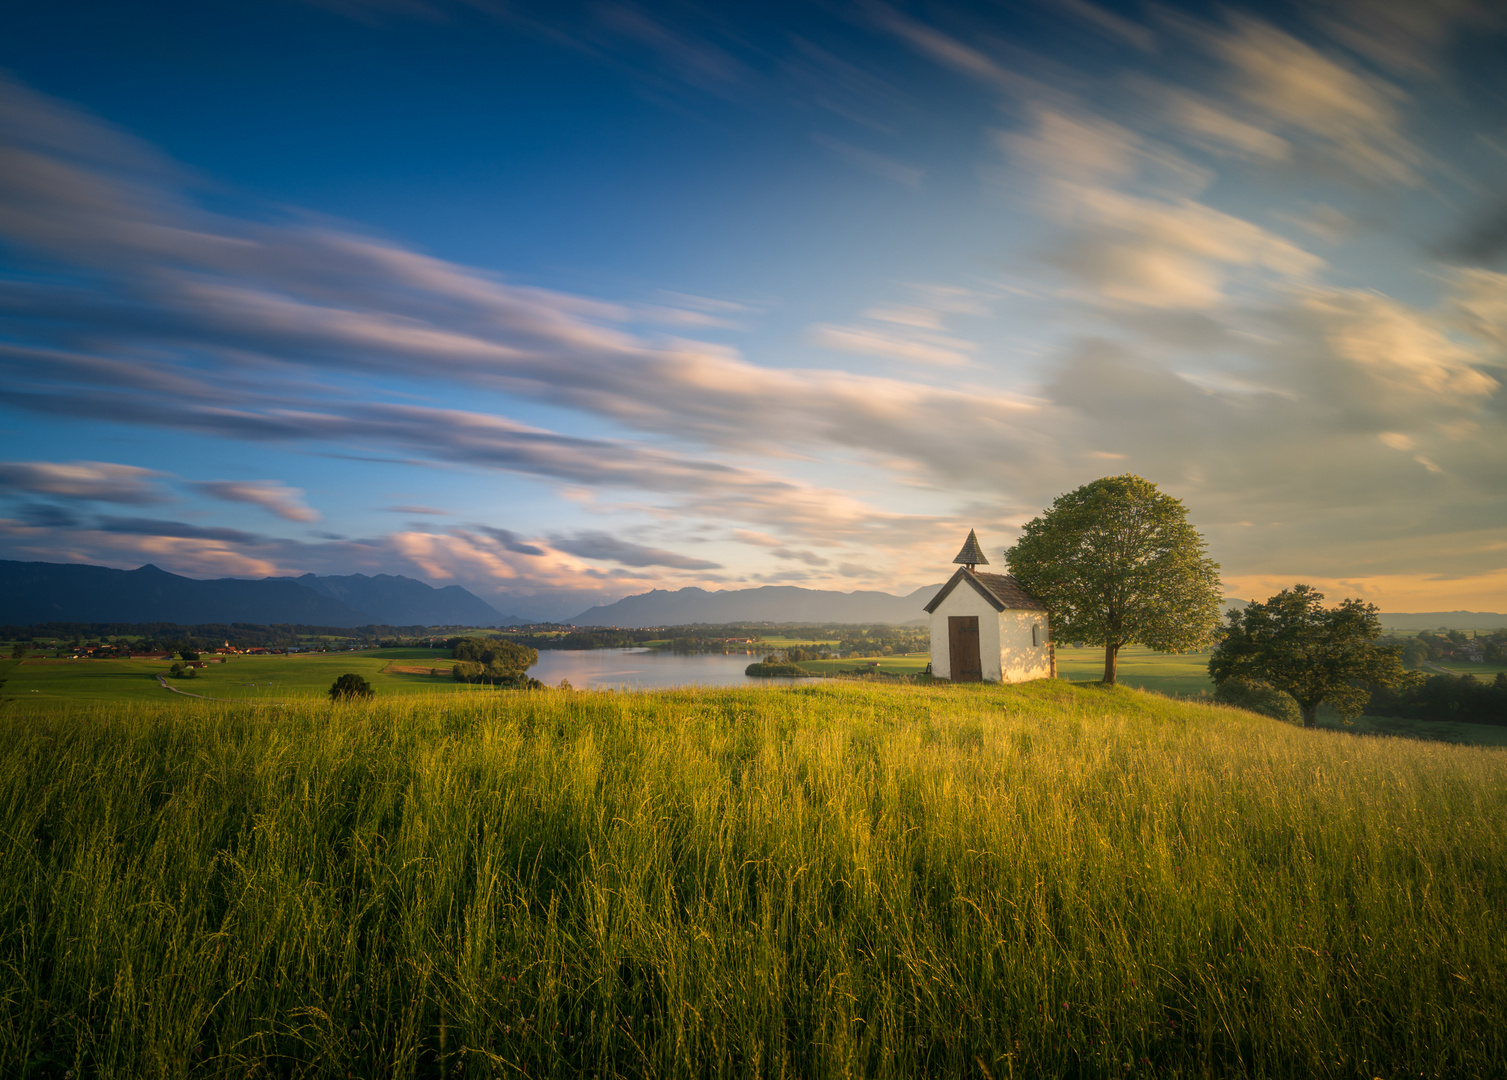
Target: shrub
771,670
350,686
494,653
494,674
1258,697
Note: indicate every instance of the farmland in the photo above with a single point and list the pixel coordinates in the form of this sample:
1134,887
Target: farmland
828,880
47,683
54,684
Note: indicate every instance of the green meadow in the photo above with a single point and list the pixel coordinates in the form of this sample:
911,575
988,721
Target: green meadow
1139,667
60,683
836,879
905,664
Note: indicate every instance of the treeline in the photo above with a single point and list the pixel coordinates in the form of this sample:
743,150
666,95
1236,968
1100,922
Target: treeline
572,638
882,640
493,661
1462,698
1454,645
867,640
149,637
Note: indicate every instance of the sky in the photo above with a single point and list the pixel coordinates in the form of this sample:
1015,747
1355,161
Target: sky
565,302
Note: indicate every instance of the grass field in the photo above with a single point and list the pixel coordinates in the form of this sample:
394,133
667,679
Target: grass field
774,642
906,664
1167,673
1484,672
1138,667
840,879
55,684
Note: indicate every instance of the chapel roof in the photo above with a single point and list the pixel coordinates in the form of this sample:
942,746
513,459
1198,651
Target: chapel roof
972,553
1003,591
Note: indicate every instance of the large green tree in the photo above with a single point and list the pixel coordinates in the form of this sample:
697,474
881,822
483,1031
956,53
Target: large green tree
1295,644
350,687
1117,563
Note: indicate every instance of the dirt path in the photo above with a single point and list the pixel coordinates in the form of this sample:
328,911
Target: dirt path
396,668
162,679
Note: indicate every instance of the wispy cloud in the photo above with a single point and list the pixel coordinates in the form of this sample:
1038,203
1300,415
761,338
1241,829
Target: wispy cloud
95,480
870,161
604,546
510,540
1350,115
272,495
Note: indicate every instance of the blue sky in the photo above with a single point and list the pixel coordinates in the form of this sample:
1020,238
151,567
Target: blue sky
567,302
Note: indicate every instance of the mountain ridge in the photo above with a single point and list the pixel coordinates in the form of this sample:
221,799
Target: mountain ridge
38,592
766,603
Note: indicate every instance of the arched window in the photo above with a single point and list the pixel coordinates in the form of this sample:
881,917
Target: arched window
1036,634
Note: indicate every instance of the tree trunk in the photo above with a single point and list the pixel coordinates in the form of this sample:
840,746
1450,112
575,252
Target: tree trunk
1310,714
1111,663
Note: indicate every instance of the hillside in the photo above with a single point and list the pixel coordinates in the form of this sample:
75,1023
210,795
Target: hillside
36,592
403,601
770,603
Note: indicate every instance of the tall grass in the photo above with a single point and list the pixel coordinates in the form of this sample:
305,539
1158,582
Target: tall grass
835,880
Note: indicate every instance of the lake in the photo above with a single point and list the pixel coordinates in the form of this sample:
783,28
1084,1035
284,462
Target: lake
646,669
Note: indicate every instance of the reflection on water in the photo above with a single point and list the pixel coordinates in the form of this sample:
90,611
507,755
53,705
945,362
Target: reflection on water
645,669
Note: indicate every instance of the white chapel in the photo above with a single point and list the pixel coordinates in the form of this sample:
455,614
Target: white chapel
987,627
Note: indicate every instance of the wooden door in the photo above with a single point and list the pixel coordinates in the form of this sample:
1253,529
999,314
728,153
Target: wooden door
963,648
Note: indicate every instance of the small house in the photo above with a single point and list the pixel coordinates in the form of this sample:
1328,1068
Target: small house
986,627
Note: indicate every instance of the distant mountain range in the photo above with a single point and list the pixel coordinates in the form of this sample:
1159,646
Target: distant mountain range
771,603
39,592
1423,620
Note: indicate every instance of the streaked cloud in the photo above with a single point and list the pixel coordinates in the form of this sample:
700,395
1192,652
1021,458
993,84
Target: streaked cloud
272,495
1350,115
873,341
509,540
604,546
870,161
97,480
1199,261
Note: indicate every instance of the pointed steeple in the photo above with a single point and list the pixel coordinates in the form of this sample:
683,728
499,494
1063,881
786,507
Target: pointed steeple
972,555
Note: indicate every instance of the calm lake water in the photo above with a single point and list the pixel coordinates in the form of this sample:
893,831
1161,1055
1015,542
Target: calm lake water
646,669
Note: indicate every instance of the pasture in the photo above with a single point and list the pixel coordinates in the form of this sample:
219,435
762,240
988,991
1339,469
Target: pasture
840,879
56,683
1484,672
905,664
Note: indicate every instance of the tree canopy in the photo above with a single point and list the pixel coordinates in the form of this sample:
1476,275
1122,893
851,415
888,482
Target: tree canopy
350,686
492,660
1116,563
1294,643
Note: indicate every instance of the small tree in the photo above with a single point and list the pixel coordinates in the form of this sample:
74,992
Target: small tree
19,652
1295,644
1117,563
350,686
188,654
